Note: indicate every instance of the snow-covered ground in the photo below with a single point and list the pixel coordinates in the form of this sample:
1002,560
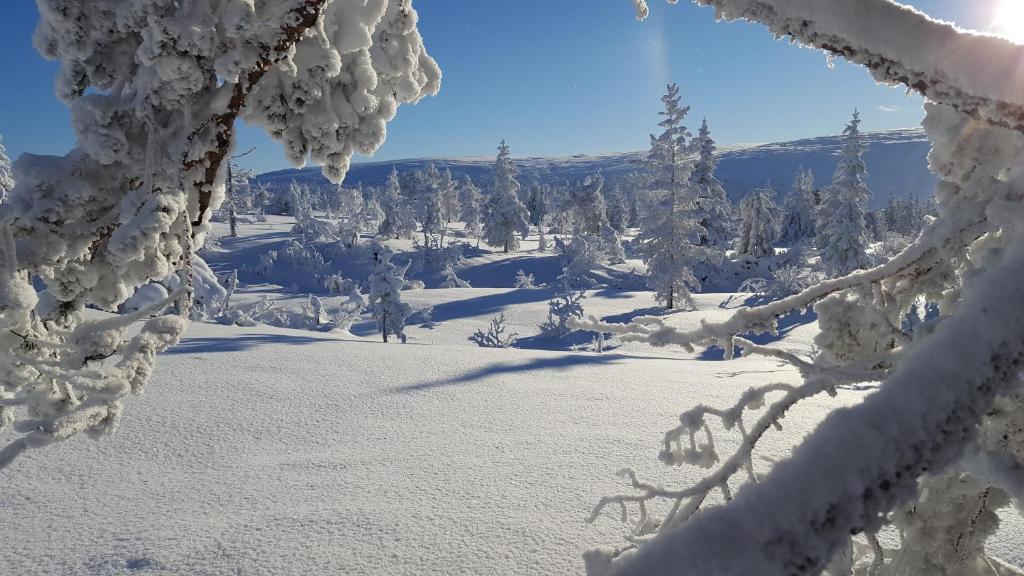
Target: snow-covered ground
262,450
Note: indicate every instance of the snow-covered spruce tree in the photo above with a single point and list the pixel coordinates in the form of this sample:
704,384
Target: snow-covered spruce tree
399,221
714,210
470,210
800,207
936,448
616,209
504,215
842,237
759,226
6,177
562,309
449,195
586,205
429,206
537,204
385,298
670,230
155,88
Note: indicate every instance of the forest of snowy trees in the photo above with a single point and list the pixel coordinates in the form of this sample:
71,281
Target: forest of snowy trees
103,261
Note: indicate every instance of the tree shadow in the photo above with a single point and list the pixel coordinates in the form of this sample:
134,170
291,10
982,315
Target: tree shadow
489,304
563,362
787,324
502,273
240,343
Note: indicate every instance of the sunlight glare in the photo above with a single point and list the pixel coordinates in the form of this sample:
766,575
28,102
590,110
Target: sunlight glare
1009,20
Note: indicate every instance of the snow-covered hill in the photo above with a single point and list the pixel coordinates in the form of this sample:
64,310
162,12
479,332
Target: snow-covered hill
897,163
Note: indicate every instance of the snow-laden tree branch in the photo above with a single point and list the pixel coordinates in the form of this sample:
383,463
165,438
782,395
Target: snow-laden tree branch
155,88
937,447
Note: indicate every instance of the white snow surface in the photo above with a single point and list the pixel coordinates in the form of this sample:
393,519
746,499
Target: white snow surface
263,450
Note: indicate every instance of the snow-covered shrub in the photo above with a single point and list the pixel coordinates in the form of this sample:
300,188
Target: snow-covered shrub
893,244
524,280
753,286
563,308
579,258
495,336
935,449
789,280
452,280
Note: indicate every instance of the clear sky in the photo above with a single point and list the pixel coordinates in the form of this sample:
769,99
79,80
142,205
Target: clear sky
555,77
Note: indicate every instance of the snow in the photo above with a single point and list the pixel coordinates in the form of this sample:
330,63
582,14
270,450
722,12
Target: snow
262,450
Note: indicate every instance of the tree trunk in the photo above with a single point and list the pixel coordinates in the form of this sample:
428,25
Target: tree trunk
670,294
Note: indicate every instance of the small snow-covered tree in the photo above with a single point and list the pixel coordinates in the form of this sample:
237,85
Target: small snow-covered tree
398,221
671,230
155,88
504,215
562,309
714,211
616,209
537,204
759,226
6,177
429,205
470,206
449,195
800,206
495,336
385,297
586,205
451,279
842,238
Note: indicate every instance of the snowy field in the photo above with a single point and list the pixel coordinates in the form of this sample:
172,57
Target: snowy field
262,450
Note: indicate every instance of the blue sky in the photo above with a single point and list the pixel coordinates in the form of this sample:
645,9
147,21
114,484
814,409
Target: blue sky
555,77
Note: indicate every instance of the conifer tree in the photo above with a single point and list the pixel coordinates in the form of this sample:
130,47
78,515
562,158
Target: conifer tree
671,230
398,221
469,206
799,221
713,207
758,223
841,230
385,298
504,216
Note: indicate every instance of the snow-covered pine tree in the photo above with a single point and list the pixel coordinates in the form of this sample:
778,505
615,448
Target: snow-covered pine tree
155,88
449,195
670,229
504,215
6,176
800,206
385,298
616,209
398,221
300,201
537,204
842,236
759,226
714,211
429,205
586,205
470,209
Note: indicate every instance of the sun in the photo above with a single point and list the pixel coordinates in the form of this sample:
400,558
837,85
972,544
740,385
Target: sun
1009,20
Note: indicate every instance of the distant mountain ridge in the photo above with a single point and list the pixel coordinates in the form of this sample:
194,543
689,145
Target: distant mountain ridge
897,163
